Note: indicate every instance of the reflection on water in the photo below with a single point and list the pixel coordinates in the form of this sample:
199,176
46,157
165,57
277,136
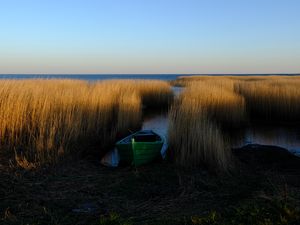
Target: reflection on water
177,90
157,122
284,136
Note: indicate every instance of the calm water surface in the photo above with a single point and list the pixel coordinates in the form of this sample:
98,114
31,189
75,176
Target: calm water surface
92,77
95,77
286,136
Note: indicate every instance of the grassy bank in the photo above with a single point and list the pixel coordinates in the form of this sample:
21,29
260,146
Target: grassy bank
157,194
42,121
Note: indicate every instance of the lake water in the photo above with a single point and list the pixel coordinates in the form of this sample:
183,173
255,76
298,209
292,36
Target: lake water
92,77
285,136
95,77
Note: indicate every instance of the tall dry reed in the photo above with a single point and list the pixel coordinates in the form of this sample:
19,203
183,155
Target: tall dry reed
45,120
195,140
196,137
219,100
266,97
153,93
273,99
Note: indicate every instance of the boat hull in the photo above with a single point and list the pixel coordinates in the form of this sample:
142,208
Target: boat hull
137,151
145,152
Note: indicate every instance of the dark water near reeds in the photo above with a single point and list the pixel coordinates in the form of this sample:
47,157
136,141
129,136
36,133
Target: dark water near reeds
283,135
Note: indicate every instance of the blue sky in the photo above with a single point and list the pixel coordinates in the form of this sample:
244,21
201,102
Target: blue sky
149,36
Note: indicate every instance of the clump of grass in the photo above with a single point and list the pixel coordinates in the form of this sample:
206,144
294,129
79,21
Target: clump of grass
196,141
197,120
45,120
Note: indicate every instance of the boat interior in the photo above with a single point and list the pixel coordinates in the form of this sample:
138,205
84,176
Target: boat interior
146,136
142,136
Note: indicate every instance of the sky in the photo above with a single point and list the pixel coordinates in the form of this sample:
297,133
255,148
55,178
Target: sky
149,36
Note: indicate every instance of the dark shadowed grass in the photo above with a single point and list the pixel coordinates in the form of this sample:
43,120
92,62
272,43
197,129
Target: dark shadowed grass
195,141
83,192
211,107
196,118
272,100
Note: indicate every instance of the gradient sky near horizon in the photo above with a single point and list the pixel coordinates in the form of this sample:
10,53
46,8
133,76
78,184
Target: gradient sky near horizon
149,36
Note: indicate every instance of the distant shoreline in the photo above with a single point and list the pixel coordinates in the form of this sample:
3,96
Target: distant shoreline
150,74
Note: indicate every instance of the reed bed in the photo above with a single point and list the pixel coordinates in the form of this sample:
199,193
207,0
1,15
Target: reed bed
219,100
211,106
275,100
43,121
186,80
154,93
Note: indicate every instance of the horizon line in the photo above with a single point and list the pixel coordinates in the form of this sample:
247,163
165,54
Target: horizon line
191,74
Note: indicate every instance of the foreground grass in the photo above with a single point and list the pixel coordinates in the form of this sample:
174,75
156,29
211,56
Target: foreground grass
85,193
43,121
255,212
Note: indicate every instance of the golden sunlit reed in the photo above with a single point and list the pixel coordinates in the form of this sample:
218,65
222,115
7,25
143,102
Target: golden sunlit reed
42,121
195,140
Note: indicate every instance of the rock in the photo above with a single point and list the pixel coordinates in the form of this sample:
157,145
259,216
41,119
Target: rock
267,156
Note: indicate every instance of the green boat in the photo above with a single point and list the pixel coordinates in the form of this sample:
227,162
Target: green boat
140,148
